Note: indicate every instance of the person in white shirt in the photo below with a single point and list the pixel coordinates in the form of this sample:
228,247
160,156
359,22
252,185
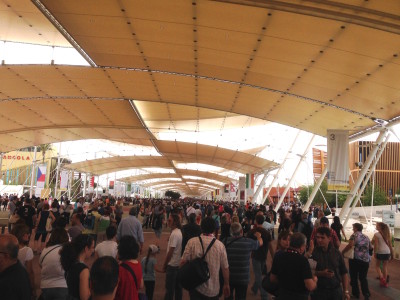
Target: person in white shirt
108,247
52,280
173,289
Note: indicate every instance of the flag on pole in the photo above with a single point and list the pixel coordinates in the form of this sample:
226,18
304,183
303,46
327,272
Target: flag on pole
41,176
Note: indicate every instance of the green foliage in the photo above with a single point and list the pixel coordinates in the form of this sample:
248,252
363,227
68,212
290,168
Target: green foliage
379,196
172,195
305,192
44,148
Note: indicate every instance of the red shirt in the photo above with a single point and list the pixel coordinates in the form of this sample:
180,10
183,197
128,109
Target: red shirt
127,289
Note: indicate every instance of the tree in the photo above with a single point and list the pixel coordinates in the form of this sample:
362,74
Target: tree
172,194
305,192
379,196
44,148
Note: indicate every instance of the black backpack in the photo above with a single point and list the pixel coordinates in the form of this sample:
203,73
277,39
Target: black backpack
157,222
89,221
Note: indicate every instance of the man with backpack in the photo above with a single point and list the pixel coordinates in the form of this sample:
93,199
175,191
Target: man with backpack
91,223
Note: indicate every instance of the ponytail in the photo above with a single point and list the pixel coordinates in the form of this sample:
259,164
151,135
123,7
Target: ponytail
70,252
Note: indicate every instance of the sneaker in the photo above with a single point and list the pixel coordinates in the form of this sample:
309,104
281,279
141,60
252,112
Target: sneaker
383,283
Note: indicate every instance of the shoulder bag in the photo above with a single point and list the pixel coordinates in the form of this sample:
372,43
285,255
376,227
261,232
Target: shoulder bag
142,296
196,271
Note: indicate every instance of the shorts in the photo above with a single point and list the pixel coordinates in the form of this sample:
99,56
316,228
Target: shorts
41,233
382,256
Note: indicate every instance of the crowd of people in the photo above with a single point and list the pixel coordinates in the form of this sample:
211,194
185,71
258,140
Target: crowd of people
306,262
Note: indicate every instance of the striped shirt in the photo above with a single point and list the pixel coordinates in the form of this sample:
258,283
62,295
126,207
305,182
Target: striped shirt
238,251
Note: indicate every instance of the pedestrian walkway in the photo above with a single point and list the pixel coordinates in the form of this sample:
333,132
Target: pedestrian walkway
377,293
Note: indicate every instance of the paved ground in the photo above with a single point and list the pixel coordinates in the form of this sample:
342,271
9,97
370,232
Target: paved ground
393,292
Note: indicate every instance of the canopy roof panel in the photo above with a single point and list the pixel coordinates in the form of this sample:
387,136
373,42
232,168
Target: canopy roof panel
303,64
112,164
21,21
142,177
225,158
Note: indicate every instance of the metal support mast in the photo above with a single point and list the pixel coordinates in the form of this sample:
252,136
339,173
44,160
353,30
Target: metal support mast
363,172
260,186
294,173
33,172
378,156
264,200
315,189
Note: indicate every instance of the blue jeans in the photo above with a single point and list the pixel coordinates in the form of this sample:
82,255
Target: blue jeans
258,267
55,293
172,285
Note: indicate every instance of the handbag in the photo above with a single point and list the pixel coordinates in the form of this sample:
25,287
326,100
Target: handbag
142,296
14,218
271,287
49,226
196,271
349,253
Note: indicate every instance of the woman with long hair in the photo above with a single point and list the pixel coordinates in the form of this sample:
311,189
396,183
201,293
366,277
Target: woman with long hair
41,227
338,227
72,257
383,252
52,280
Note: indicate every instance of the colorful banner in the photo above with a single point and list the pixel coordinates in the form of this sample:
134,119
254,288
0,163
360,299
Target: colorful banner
233,188
338,160
91,182
128,187
250,184
242,183
226,188
63,179
41,176
111,185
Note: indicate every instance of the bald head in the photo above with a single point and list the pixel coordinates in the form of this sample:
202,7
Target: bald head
8,251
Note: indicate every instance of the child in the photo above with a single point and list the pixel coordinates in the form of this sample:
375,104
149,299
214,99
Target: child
148,267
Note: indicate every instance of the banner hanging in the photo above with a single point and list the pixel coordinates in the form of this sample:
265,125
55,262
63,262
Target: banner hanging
41,176
338,160
63,179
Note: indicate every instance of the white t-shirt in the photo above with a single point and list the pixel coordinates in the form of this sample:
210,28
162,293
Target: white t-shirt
107,248
52,274
383,248
175,240
25,254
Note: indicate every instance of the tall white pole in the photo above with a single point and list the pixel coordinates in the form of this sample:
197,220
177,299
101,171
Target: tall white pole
315,189
58,171
97,186
33,172
276,176
1,165
294,173
373,166
260,187
71,176
84,185
363,172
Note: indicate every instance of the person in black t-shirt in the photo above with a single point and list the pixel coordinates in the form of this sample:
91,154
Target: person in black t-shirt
292,271
259,256
14,279
28,214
